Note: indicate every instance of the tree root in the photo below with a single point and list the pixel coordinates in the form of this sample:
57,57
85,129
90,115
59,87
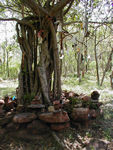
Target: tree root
58,140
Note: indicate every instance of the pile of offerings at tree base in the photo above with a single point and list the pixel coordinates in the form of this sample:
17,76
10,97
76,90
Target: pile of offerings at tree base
72,107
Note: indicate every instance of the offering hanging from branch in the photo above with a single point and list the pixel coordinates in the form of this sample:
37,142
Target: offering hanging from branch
40,36
59,29
74,41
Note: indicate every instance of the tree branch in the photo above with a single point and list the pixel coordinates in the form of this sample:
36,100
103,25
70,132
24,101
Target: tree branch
10,8
66,11
60,5
36,9
17,20
48,3
102,40
90,22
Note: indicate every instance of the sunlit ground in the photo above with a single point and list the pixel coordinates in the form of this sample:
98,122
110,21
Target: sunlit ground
8,87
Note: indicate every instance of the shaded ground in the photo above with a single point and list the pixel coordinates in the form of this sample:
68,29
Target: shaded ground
73,138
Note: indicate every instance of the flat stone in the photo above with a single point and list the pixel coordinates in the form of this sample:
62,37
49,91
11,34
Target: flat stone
24,117
36,106
34,101
55,117
61,126
80,114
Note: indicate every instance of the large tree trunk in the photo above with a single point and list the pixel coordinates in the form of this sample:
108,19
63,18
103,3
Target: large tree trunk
40,61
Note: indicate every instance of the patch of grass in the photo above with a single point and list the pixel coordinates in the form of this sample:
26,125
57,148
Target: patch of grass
107,134
7,91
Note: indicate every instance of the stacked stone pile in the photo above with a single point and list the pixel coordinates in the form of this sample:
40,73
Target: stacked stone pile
71,107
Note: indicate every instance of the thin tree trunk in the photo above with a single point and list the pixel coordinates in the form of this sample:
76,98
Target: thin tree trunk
107,67
7,63
78,65
85,56
96,59
56,62
4,60
64,61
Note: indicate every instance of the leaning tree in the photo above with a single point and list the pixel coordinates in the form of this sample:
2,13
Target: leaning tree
36,33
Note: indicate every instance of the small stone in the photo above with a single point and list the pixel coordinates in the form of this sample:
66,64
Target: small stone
78,105
56,102
66,101
59,117
51,109
57,105
8,113
24,117
86,98
92,113
72,94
